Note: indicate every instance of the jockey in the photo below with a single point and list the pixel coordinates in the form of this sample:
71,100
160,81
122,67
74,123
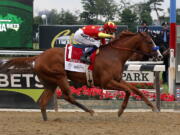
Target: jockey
94,36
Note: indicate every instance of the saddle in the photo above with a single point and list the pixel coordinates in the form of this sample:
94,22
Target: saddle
73,55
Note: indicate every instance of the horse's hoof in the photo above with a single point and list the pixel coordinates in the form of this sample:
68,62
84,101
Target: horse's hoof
120,113
155,110
45,119
91,112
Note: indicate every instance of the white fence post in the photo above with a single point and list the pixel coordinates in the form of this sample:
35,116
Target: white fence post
171,71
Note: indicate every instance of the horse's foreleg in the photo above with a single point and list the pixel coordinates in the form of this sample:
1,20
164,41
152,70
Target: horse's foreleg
143,97
121,87
45,97
64,85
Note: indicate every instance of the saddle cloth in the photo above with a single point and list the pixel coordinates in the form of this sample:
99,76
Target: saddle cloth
72,57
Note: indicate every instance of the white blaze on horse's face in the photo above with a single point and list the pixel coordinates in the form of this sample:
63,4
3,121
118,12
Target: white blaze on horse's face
159,56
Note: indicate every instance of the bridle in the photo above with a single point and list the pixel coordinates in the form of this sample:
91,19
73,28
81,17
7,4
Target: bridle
155,48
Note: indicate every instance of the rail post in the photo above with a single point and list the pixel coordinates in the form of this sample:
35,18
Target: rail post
171,70
158,92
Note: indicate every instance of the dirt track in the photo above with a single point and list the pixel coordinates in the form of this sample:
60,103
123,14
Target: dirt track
77,123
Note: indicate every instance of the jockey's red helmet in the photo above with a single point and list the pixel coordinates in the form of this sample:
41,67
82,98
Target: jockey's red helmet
110,27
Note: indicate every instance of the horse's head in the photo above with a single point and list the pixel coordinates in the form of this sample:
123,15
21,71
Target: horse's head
148,47
140,43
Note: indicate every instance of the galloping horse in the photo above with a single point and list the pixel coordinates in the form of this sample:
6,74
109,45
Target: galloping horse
107,73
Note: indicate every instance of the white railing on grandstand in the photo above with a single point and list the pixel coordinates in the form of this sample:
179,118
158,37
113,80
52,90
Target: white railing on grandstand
136,67
145,62
19,52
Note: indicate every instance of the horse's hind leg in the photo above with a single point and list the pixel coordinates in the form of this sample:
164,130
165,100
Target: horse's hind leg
65,88
43,101
121,86
124,103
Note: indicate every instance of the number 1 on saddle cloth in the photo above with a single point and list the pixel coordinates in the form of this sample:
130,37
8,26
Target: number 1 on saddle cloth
87,53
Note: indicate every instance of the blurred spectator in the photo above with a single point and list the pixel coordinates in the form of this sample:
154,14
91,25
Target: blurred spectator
164,47
143,27
164,37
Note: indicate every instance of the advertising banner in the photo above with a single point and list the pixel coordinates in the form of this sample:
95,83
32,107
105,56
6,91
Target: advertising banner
20,90
16,18
138,76
60,35
25,83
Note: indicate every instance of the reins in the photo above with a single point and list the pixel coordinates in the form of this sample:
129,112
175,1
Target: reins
131,50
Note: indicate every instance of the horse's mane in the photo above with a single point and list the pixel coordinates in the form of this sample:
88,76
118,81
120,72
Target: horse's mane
120,37
125,34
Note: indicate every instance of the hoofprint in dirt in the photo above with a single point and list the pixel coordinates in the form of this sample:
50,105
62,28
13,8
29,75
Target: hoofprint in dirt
81,123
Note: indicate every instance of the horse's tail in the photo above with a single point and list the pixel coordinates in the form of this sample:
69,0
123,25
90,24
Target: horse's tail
17,63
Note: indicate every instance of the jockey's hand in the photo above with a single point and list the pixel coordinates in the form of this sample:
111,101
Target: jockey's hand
113,36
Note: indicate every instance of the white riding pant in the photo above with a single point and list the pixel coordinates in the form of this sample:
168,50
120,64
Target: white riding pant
82,38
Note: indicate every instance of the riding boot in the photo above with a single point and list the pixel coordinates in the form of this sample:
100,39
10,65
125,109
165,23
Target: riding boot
86,57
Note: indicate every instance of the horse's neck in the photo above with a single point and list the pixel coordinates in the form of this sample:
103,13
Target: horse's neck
123,48
129,42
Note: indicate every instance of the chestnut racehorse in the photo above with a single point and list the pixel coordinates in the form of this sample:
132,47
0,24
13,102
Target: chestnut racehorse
107,73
